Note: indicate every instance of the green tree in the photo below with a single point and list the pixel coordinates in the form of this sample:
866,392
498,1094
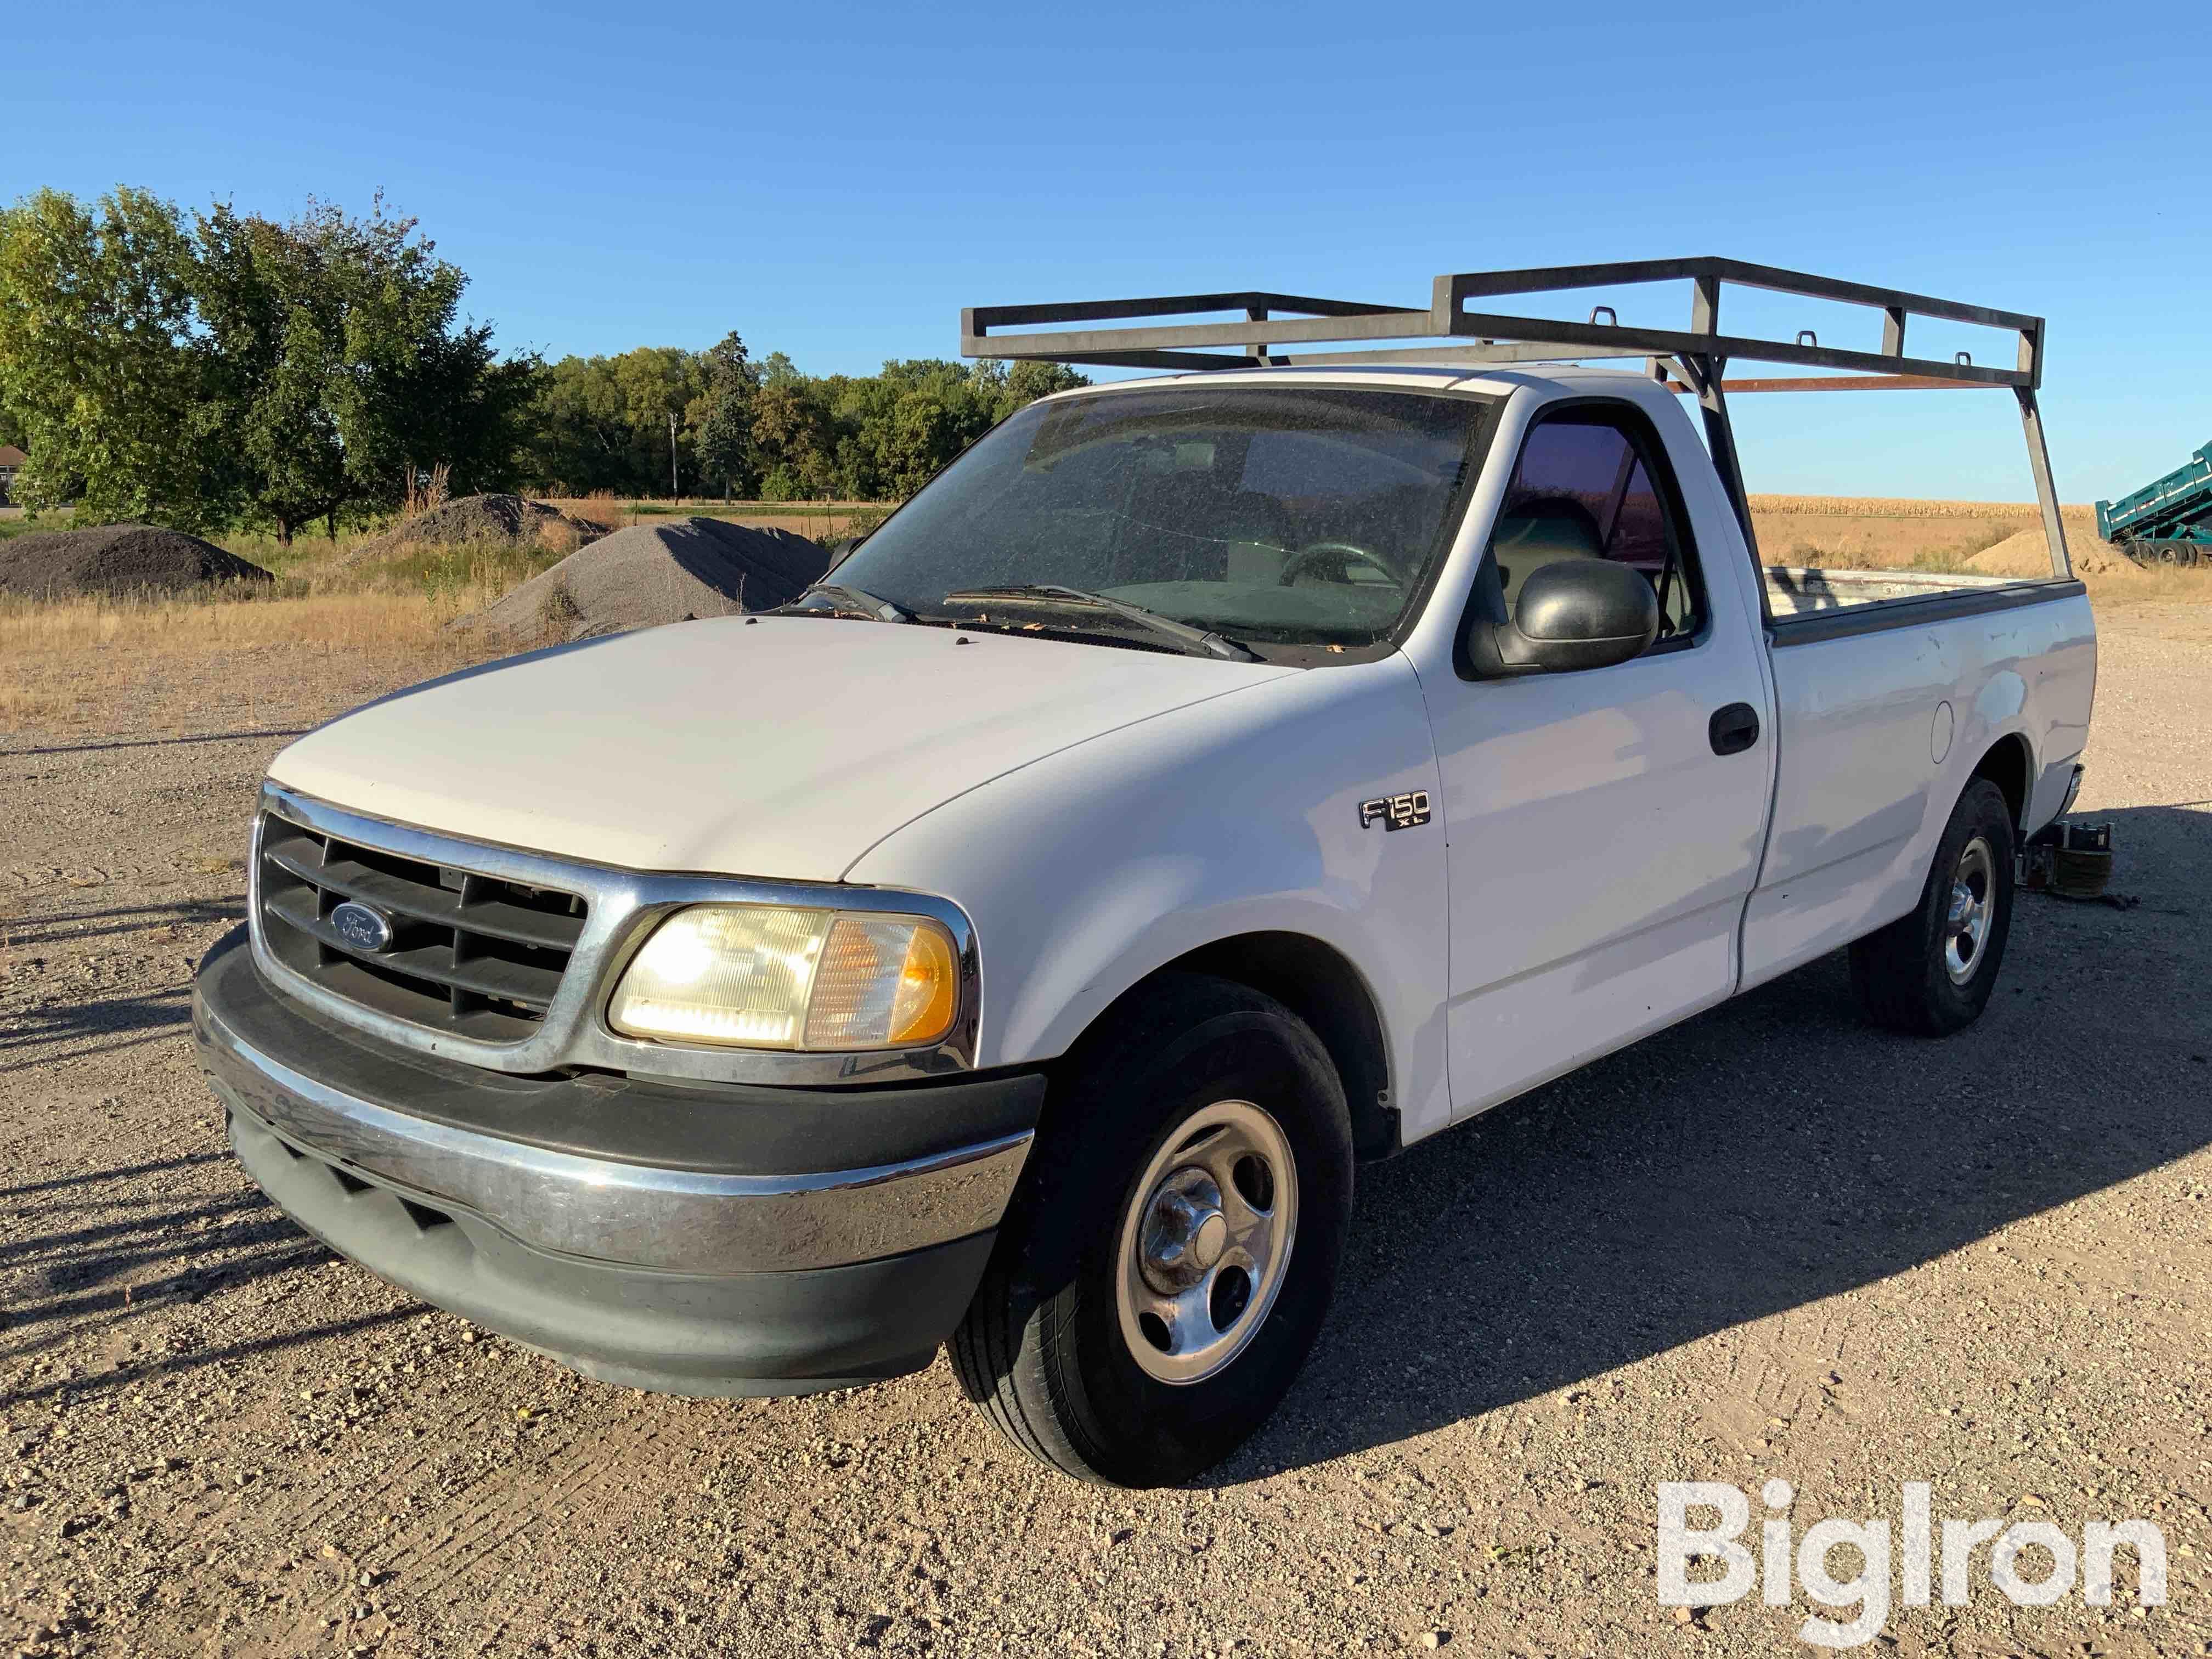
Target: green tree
422,389
99,373
192,374
866,437
603,422
273,348
317,368
720,419
1026,382
659,385
914,417
581,438
796,441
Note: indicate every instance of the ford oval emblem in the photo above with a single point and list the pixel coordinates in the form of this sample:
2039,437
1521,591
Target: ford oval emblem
361,927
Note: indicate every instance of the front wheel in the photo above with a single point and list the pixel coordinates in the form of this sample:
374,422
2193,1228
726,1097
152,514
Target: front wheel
1931,972
1165,1270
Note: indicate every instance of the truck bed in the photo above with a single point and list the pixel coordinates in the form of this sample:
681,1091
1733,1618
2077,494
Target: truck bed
1890,687
1796,590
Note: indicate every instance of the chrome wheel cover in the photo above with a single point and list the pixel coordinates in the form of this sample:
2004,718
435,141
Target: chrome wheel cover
1973,903
1203,1246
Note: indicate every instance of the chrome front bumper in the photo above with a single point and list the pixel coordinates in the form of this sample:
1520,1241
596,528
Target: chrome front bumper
657,1235
603,1210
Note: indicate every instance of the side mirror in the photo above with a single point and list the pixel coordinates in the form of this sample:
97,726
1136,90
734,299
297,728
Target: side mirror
1572,614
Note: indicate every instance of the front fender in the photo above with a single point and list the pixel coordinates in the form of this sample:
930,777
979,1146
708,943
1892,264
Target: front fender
1092,869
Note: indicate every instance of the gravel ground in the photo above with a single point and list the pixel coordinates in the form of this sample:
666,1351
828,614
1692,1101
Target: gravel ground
1771,1242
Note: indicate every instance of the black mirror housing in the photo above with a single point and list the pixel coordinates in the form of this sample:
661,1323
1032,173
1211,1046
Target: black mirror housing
1570,615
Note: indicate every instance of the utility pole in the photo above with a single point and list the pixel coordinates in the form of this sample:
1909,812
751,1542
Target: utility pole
673,491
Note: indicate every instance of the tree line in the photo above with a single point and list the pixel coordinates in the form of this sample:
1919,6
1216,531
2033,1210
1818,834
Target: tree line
659,419
220,368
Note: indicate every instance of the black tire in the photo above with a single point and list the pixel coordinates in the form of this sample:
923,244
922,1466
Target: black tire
1908,977
1042,1349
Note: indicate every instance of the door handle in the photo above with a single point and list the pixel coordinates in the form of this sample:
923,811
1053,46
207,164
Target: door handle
1733,729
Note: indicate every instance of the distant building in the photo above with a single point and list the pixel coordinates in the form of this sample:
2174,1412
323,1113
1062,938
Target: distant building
11,460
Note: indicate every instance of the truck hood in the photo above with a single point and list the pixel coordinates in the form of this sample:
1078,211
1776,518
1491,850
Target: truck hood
773,746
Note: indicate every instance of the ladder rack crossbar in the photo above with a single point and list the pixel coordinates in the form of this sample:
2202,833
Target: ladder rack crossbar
1147,334
1165,332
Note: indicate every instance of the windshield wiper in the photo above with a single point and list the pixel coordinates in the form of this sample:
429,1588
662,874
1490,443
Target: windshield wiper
1195,641
862,603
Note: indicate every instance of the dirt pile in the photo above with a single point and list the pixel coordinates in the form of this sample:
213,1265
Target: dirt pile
483,518
116,558
653,574
2028,554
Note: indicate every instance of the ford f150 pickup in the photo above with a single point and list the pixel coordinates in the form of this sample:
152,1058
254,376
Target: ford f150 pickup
1208,783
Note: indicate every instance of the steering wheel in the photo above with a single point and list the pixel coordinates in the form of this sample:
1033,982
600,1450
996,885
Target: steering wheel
1316,552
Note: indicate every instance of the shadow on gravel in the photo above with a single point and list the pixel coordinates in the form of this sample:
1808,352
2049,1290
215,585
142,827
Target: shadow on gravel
99,1027
276,1247
82,1388
125,919
40,1246
160,742
1766,1155
95,1177
129,1261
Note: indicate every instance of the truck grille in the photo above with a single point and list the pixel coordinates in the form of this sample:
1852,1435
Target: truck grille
468,953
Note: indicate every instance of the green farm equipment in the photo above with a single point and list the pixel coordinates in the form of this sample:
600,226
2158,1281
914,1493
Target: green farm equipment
2168,522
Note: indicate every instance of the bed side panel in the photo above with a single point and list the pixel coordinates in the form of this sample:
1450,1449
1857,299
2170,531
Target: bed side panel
1879,733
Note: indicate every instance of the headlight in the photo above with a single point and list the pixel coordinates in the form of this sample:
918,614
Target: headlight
762,976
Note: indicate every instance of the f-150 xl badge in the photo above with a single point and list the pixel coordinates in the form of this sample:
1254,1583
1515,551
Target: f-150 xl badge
1405,811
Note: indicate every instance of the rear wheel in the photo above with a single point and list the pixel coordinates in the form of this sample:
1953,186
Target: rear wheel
1162,1275
1931,972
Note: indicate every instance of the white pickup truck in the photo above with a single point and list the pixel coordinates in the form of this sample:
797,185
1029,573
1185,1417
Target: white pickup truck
1206,784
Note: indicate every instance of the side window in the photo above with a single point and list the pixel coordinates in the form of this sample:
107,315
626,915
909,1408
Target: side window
1585,487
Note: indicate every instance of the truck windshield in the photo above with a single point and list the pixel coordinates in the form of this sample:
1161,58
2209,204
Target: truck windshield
1294,515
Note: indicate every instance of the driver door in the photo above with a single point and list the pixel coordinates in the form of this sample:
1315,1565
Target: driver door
1601,850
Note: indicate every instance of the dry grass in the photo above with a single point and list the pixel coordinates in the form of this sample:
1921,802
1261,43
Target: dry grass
362,556
1878,533
425,497
824,521
1967,538
705,506
333,621
559,537
217,659
23,704
1887,506
214,621
2166,585
600,507
826,528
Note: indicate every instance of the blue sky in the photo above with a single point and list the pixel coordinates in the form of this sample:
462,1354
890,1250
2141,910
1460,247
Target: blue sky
837,181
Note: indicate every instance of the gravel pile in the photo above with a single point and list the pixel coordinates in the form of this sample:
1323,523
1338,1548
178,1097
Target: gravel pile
116,558
481,518
653,574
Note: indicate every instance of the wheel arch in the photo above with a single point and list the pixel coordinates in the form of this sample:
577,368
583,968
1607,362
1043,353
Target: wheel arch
2008,764
1318,983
